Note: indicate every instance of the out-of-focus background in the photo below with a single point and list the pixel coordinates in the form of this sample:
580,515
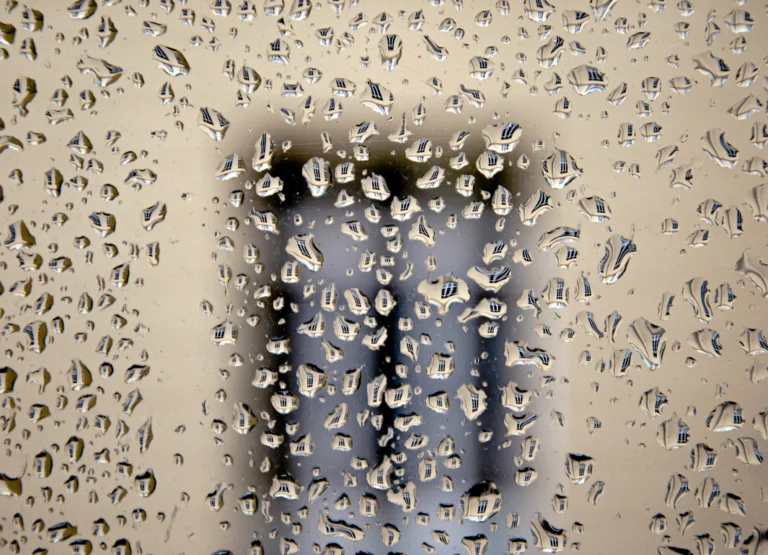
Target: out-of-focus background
117,410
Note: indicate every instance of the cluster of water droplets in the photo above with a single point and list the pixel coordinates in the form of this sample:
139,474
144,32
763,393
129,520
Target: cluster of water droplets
432,226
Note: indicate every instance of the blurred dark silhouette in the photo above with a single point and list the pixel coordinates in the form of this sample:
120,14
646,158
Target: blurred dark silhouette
456,251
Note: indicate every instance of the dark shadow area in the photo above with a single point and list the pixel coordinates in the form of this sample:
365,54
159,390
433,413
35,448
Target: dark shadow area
478,361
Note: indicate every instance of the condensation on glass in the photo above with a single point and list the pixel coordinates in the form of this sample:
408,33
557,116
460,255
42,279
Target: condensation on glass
383,277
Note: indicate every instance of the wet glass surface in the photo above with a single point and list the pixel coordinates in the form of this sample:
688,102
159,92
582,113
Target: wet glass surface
363,277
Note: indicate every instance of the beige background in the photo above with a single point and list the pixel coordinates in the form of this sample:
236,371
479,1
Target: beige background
184,362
